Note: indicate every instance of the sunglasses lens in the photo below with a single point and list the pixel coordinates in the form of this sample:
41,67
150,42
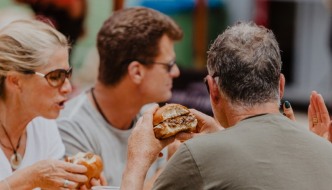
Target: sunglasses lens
56,78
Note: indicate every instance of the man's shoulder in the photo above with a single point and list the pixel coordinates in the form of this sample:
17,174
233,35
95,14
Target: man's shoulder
76,115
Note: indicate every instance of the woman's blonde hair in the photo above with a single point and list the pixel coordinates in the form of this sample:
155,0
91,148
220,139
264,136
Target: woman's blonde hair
27,45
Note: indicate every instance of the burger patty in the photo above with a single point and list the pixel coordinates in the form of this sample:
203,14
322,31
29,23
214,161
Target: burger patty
180,120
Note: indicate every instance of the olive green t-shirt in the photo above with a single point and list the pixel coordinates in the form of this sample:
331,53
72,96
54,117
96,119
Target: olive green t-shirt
265,152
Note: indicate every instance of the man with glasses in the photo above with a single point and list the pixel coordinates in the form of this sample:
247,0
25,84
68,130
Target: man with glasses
259,148
137,67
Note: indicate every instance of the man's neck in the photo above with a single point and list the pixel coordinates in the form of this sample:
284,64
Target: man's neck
117,104
238,113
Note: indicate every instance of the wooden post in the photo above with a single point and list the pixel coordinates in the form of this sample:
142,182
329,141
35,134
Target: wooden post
200,33
118,4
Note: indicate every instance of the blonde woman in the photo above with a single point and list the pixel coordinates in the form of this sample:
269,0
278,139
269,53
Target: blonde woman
34,85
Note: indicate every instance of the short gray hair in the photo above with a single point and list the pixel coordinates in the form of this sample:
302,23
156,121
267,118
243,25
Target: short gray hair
246,61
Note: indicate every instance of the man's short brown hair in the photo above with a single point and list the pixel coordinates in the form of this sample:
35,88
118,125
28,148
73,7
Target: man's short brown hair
131,34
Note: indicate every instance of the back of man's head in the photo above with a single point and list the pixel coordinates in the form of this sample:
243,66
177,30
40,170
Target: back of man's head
128,35
246,62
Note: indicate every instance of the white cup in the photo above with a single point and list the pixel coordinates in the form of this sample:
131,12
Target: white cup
105,188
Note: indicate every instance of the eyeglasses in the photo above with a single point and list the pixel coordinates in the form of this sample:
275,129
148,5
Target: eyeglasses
168,65
55,78
206,82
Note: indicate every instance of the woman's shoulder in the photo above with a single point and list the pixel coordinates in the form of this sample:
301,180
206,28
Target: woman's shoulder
42,125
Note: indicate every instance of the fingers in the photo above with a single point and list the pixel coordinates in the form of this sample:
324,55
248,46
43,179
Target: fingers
142,141
329,136
151,109
323,114
57,174
288,111
95,182
147,118
77,178
205,124
63,184
73,168
317,110
310,116
69,184
199,115
73,173
183,136
102,179
316,106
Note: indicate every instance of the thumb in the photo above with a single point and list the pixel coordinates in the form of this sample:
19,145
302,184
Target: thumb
288,111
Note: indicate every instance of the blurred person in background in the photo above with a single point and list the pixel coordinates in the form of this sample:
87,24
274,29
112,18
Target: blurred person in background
259,148
68,16
137,67
328,5
34,85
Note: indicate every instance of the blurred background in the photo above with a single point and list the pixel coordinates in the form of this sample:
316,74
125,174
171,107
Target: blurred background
302,28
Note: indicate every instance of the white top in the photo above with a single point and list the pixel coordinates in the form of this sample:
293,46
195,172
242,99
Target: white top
43,142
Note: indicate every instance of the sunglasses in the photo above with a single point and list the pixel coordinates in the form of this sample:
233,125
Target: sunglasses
168,65
54,78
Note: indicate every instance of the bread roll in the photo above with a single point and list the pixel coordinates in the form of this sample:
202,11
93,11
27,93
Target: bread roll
91,161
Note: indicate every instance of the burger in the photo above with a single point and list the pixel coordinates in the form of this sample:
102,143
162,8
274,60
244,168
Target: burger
93,163
171,119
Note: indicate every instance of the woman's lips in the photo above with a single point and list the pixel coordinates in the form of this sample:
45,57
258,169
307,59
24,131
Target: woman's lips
61,104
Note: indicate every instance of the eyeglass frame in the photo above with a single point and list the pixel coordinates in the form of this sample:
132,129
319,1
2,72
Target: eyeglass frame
68,74
169,65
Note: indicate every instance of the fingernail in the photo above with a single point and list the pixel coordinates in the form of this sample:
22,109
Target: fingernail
287,104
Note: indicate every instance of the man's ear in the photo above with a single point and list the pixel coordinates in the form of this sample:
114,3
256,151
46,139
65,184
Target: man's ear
282,82
214,90
136,71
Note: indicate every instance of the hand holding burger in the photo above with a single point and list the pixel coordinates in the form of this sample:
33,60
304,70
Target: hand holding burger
93,163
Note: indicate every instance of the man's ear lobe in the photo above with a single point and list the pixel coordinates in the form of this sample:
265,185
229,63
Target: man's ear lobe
214,90
136,71
282,82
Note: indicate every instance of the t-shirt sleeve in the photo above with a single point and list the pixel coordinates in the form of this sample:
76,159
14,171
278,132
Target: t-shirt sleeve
181,172
74,137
